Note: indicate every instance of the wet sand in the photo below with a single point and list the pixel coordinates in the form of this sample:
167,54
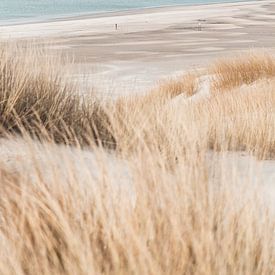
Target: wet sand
154,43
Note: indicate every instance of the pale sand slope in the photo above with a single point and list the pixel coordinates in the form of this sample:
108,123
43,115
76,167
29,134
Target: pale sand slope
153,43
89,167
92,167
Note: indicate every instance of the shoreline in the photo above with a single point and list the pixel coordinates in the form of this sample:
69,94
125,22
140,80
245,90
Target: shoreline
111,13
52,27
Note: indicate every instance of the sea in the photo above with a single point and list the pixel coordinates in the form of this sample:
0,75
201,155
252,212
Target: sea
32,10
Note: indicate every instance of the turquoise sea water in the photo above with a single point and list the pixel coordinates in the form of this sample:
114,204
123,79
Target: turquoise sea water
22,10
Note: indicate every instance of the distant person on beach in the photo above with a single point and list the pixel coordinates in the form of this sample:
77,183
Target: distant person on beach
116,26
199,26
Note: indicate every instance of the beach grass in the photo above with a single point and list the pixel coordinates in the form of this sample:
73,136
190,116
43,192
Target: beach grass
35,100
157,222
185,84
128,186
243,69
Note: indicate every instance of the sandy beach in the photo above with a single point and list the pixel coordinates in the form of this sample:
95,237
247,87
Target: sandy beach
152,44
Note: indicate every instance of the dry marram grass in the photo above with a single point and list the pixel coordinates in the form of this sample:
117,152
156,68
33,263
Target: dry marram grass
152,206
186,84
163,223
35,100
245,69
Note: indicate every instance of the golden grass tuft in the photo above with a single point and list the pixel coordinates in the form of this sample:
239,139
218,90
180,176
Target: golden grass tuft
244,69
185,84
242,120
35,100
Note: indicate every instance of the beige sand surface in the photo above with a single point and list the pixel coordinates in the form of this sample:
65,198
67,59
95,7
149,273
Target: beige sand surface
86,166
152,43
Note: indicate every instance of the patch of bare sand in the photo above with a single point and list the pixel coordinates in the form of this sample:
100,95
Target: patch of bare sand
260,174
87,165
